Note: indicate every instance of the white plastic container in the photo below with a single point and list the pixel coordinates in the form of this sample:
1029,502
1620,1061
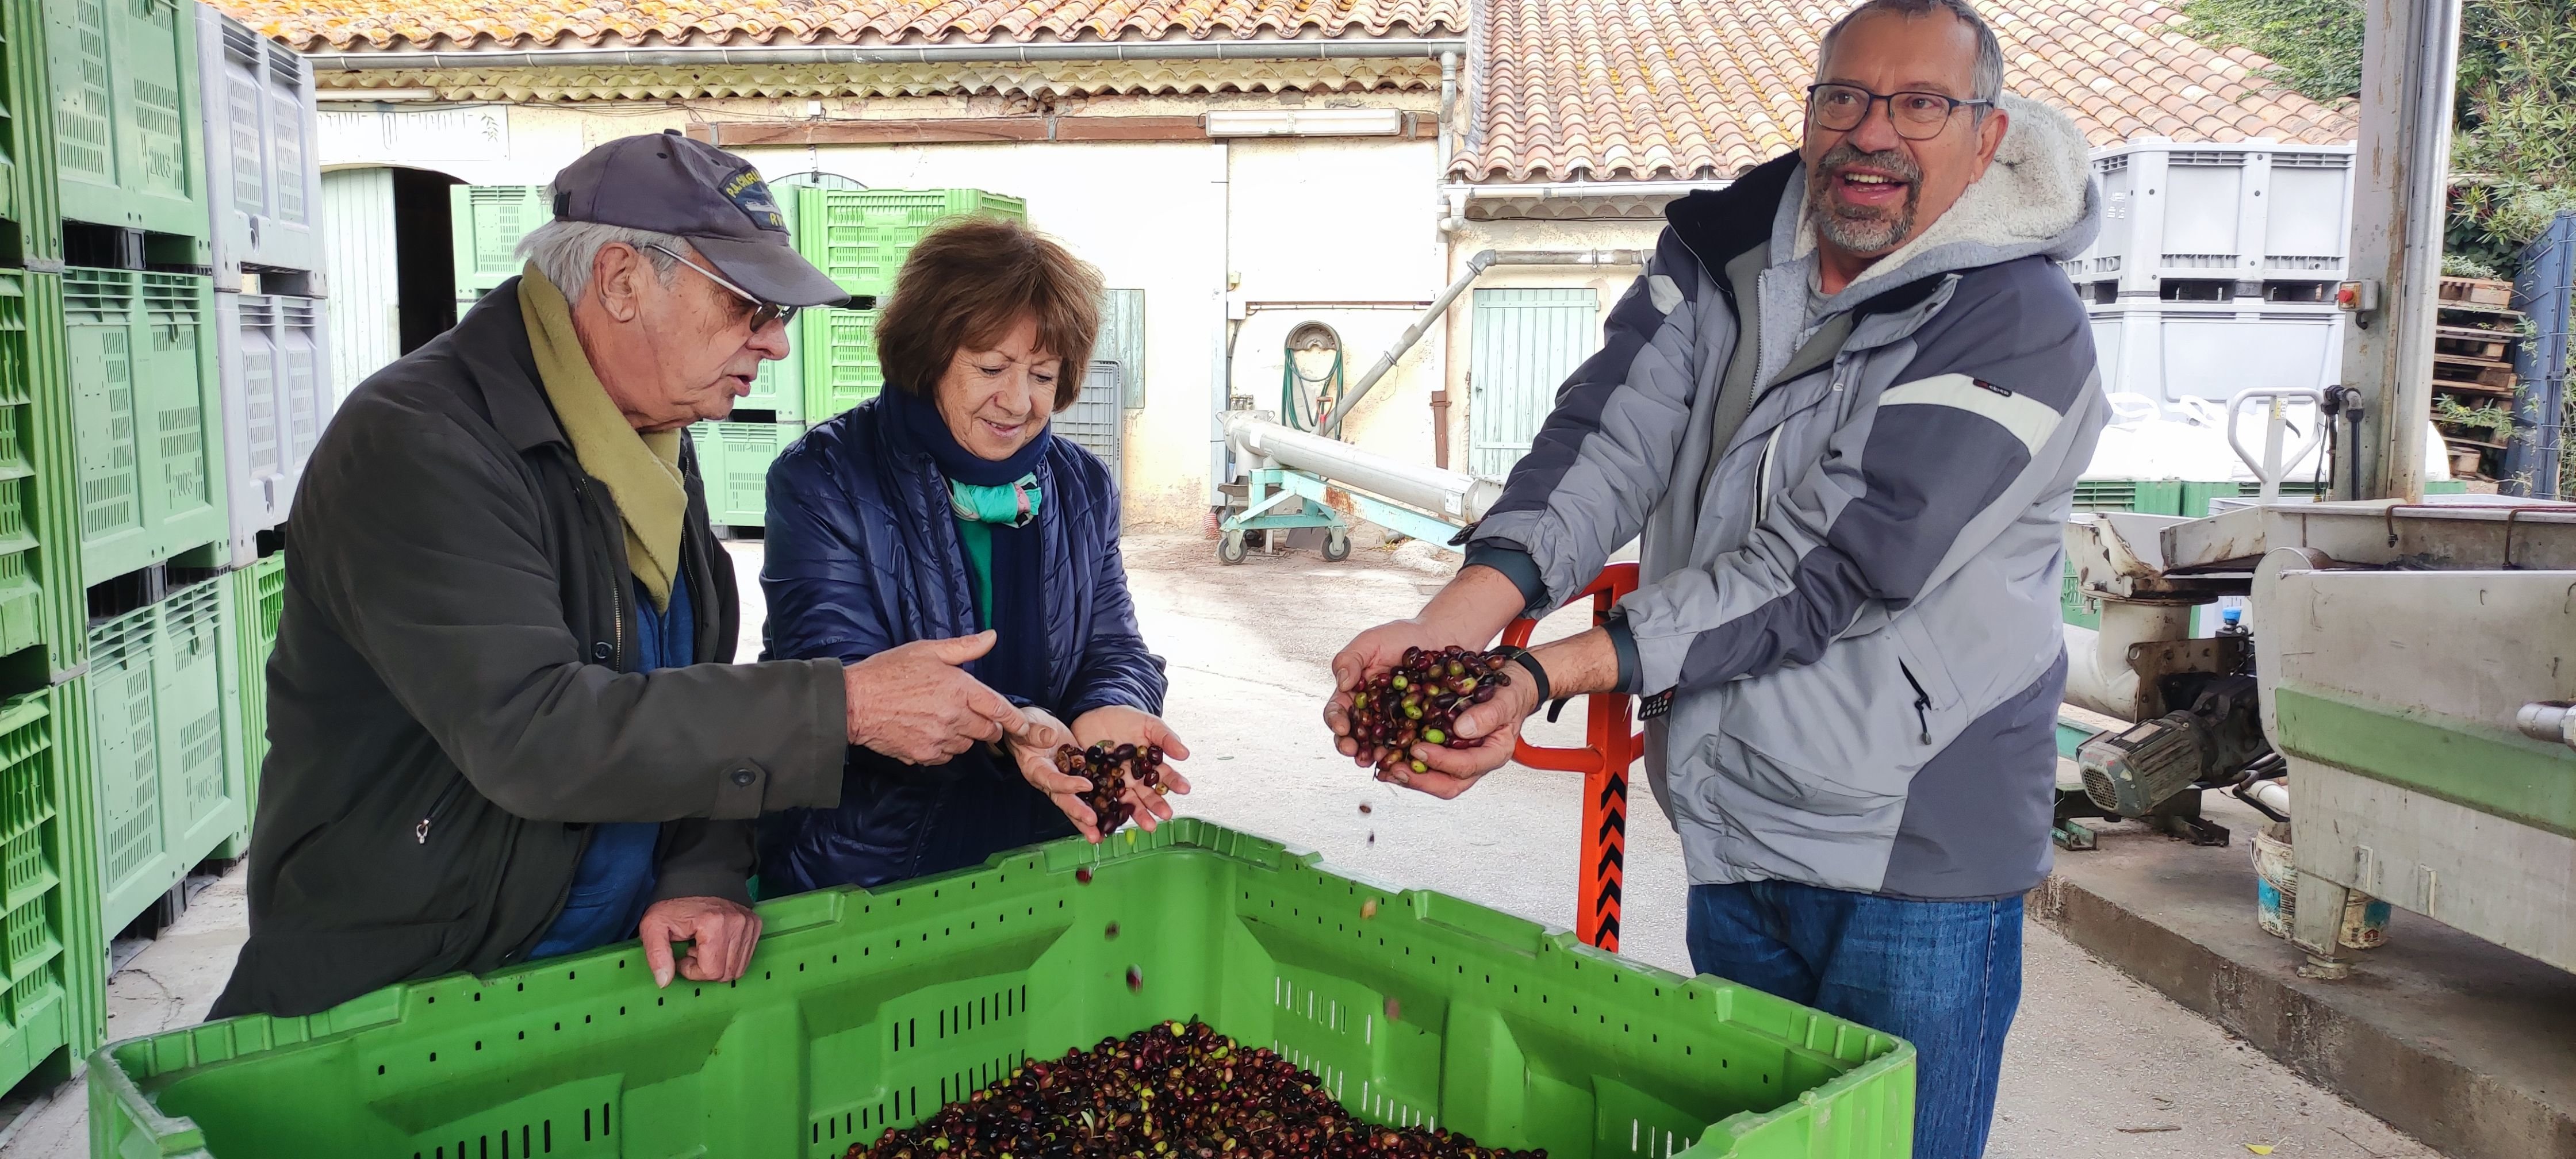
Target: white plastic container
263,178
2249,213
274,356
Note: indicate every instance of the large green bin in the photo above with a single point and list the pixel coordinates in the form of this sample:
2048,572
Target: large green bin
860,236
254,598
733,462
865,1011
52,961
129,145
32,342
485,223
30,196
840,355
147,419
170,787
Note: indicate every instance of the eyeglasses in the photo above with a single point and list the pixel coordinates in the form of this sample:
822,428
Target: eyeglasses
1917,116
762,313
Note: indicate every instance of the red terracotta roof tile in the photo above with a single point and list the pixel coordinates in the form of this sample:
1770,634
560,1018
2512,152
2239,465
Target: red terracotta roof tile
1607,90
322,25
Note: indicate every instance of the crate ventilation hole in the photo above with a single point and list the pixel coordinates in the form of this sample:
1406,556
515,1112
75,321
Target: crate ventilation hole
534,1139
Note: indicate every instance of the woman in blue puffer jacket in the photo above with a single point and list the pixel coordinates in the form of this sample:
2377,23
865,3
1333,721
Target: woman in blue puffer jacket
944,508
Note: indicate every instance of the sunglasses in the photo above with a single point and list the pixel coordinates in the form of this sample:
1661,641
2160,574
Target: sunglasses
762,313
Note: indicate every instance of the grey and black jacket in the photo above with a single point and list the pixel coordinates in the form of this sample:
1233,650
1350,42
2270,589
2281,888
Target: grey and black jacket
1850,531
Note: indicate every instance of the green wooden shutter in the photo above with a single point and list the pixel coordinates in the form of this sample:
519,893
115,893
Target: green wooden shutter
1524,345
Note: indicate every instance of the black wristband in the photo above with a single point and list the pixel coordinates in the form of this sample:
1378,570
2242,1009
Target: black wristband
1538,675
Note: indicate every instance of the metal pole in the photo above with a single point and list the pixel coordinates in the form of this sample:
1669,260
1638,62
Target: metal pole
1440,305
2409,70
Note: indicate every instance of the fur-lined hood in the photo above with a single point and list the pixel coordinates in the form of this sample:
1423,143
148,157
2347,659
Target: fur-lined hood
2037,198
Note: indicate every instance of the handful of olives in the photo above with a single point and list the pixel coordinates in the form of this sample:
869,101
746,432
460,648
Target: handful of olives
1418,702
1109,768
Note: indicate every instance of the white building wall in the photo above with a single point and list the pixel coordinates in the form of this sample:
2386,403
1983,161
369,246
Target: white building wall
1256,234
1606,282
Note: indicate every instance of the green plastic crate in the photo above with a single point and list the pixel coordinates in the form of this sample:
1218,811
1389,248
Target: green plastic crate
34,341
780,386
733,461
841,369
255,596
169,786
487,222
52,970
129,145
860,236
200,736
867,1011
25,615
147,419
30,198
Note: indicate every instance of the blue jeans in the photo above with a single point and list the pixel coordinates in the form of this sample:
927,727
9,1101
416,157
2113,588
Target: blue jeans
1943,975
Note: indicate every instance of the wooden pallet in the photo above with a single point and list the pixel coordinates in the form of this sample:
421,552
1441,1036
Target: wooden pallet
2477,291
2476,388
2472,341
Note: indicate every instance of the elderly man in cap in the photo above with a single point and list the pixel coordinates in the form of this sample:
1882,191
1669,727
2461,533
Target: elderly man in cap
504,724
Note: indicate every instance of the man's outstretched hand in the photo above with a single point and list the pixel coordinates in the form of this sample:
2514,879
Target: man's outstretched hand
1495,729
1368,654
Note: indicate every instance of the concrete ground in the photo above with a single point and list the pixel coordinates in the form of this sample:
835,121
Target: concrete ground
2467,1045
2098,1064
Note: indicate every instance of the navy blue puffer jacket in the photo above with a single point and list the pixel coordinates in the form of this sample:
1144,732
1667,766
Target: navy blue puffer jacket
863,555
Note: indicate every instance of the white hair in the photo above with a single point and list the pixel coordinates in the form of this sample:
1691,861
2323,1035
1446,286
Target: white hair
564,250
1988,80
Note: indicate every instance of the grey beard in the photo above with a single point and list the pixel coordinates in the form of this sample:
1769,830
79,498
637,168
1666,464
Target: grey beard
1862,235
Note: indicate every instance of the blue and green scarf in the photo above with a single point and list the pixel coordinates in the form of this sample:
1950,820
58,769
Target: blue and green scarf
996,505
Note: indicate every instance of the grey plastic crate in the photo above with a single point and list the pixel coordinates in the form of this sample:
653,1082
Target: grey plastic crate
1097,422
263,182
276,365
2248,213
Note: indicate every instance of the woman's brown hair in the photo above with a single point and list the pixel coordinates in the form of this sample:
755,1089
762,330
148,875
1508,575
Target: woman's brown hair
964,286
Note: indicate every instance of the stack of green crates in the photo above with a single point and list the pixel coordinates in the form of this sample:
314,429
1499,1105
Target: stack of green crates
120,753
860,237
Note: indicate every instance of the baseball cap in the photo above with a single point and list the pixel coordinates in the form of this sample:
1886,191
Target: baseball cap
668,183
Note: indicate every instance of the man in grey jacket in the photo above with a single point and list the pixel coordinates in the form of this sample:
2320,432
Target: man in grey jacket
1843,412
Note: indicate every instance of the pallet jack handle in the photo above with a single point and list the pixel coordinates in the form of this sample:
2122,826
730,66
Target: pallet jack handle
1611,745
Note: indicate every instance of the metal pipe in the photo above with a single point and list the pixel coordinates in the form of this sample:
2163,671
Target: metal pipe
700,56
1221,384
2548,720
1457,498
2409,70
1476,266
1448,104
1440,428
2098,676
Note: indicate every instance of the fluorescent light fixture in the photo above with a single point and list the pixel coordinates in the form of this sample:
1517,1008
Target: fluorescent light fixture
1306,123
